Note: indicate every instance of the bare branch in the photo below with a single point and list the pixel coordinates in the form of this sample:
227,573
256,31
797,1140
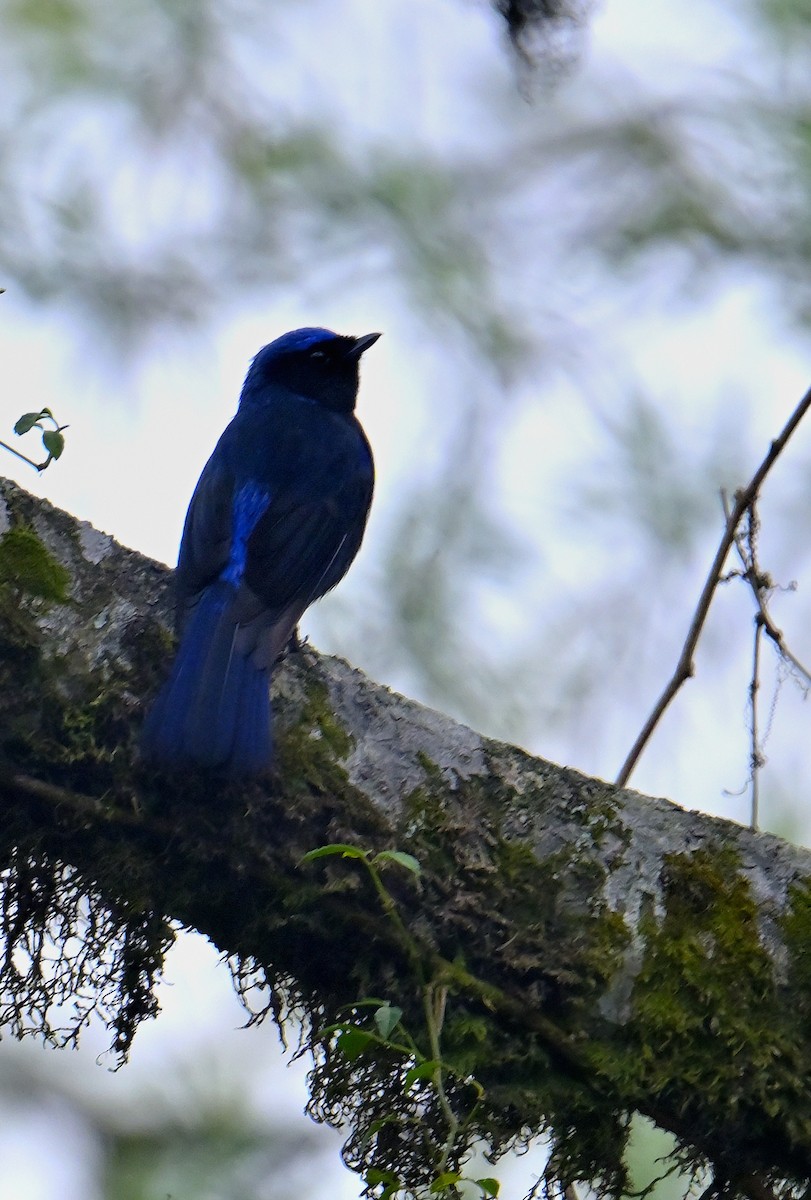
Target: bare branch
685,667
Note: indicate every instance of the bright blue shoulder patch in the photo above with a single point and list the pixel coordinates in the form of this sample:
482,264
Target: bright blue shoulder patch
250,503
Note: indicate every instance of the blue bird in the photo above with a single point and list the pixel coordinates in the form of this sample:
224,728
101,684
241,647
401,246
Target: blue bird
276,518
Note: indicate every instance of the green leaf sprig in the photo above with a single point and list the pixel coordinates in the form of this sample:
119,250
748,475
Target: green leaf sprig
53,436
352,1039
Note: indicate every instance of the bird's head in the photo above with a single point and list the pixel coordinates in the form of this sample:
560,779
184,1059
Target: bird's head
314,363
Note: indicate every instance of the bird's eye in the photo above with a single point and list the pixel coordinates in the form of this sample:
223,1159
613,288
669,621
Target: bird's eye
317,354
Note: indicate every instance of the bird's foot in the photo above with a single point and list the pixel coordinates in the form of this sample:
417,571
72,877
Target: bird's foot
295,644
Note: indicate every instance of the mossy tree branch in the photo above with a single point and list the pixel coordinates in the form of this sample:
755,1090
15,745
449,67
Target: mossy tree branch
601,952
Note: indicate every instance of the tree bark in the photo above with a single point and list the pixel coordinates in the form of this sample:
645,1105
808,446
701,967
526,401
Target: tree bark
598,952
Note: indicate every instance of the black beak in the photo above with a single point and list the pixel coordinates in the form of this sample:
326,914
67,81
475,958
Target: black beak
362,344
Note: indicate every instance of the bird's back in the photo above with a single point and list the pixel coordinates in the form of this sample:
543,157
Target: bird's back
315,469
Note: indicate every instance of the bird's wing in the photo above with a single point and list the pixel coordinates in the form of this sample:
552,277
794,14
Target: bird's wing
301,549
279,514
207,533
295,556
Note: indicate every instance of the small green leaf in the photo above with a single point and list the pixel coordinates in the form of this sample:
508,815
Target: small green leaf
444,1181
376,1175
353,1042
27,421
341,848
392,1183
374,1128
490,1187
54,442
401,858
366,1002
423,1070
386,1018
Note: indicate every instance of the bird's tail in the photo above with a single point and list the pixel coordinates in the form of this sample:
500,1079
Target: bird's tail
214,710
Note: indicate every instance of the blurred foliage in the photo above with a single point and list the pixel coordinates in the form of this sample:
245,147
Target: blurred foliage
785,16
222,1159
144,195
195,1136
161,165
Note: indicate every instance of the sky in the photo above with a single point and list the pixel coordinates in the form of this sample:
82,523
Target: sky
139,438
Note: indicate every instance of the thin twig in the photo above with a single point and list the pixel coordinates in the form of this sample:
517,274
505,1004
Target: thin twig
760,586
434,1000
755,757
75,804
685,668
37,466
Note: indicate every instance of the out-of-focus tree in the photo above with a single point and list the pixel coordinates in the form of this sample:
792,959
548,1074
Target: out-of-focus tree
162,162
194,1115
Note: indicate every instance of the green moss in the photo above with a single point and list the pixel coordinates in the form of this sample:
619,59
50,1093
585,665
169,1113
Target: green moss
27,567
471,865
93,731
796,928
68,881
156,646
425,832
310,754
604,806
82,725
706,1035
